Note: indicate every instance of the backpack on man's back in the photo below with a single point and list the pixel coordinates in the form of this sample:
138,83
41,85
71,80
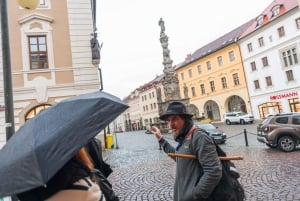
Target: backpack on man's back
229,188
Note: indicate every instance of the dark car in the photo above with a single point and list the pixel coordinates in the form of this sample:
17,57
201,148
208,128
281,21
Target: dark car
218,135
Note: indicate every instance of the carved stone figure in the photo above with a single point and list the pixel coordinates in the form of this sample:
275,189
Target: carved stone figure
161,23
95,48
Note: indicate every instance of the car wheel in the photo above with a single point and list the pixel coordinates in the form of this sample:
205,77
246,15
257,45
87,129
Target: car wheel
228,122
242,121
286,144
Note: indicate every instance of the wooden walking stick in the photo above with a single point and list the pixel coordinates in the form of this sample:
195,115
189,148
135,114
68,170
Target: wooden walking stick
194,157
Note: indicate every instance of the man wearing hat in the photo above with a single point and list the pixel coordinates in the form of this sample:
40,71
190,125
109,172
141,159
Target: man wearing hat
195,179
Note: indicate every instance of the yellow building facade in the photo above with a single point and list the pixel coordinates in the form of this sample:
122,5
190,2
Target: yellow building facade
213,78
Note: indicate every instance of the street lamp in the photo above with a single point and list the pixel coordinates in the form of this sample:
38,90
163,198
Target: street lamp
7,77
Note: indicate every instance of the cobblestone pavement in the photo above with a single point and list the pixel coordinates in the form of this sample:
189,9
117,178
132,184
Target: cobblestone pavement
143,172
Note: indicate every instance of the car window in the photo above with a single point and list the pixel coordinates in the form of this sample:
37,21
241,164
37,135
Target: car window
205,126
266,121
282,120
296,120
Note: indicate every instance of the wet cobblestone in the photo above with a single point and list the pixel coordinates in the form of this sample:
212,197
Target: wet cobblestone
143,172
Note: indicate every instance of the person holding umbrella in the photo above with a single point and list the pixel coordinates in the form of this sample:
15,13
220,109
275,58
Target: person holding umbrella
71,183
193,181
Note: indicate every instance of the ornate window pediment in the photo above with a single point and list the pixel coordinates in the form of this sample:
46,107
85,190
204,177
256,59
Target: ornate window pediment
34,17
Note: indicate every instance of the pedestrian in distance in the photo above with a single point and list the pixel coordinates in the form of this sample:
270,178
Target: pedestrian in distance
195,179
73,182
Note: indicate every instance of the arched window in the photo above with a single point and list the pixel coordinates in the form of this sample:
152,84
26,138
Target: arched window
34,111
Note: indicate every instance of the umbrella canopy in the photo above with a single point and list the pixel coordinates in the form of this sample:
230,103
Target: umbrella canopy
46,142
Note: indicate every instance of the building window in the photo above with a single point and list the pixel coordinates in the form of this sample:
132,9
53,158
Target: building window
275,11
298,23
281,32
202,88
231,56
294,104
290,57
34,111
44,4
236,80
259,20
253,66
220,61
208,65
224,82
212,86
261,42
38,52
250,48
256,84
199,69
269,81
289,75
265,61
190,73
193,91
182,76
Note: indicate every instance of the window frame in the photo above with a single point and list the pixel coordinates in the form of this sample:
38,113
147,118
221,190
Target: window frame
256,84
220,60
250,47
212,86
236,79
224,82
265,61
289,75
269,81
41,63
202,88
231,56
208,65
253,66
261,42
281,32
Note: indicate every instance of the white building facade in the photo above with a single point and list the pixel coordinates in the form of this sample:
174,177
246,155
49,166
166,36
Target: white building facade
271,55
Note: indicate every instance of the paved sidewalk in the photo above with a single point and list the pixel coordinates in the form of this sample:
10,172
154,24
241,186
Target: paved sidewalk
143,172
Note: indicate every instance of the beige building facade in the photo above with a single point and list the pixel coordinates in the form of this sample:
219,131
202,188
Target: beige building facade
51,56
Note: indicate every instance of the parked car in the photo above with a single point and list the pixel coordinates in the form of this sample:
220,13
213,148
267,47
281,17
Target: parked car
218,135
280,131
238,117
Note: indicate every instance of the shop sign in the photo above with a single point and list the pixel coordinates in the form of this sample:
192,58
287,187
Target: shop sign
284,95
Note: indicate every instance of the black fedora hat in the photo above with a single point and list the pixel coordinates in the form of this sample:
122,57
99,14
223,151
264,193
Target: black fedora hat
175,108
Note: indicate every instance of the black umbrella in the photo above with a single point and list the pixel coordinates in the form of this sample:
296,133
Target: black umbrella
46,142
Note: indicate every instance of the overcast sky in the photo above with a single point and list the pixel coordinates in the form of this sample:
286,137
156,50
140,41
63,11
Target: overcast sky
131,54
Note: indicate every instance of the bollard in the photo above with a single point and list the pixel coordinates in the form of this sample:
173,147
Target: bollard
117,146
246,139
